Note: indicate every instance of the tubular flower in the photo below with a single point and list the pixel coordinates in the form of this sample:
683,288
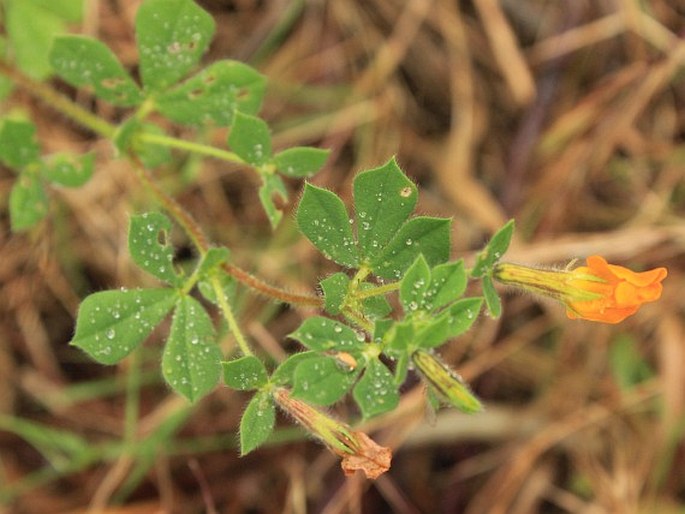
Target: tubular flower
598,291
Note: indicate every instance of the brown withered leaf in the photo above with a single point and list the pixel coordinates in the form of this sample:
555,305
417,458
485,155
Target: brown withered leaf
371,458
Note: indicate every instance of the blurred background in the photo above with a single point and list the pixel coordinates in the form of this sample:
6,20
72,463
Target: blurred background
567,116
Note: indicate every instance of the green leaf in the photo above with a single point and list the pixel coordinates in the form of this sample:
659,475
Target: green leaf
31,29
492,299
245,373
148,243
6,84
171,35
272,187
322,380
448,283
250,138
323,334
376,392
28,203
67,10
212,259
214,94
400,338
494,250
257,422
421,235
18,145
434,333
87,62
127,139
191,363
284,374
414,285
334,289
383,200
228,286
375,307
69,170
110,324
462,314
322,218
300,161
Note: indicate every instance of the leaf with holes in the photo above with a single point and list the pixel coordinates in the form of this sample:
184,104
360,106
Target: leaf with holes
322,380
376,392
422,235
383,200
214,94
28,203
110,324
191,363
300,161
257,422
245,373
171,36
271,190
149,246
250,138
89,63
69,170
18,145
322,218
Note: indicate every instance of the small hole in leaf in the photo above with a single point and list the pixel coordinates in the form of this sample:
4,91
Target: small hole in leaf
161,237
209,79
405,192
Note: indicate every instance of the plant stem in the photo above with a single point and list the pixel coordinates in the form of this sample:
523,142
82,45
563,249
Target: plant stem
103,128
189,146
132,407
230,317
59,102
377,291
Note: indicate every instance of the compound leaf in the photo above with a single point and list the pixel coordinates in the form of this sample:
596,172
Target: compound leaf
171,35
257,422
148,243
383,200
214,94
322,218
110,324
191,359
87,62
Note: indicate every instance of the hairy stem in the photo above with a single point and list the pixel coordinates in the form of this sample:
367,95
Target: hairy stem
59,102
190,146
230,317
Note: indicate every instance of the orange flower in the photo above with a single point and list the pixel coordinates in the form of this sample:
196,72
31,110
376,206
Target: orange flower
621,291
598,291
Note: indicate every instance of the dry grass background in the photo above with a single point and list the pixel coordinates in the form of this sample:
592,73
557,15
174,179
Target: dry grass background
567,116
